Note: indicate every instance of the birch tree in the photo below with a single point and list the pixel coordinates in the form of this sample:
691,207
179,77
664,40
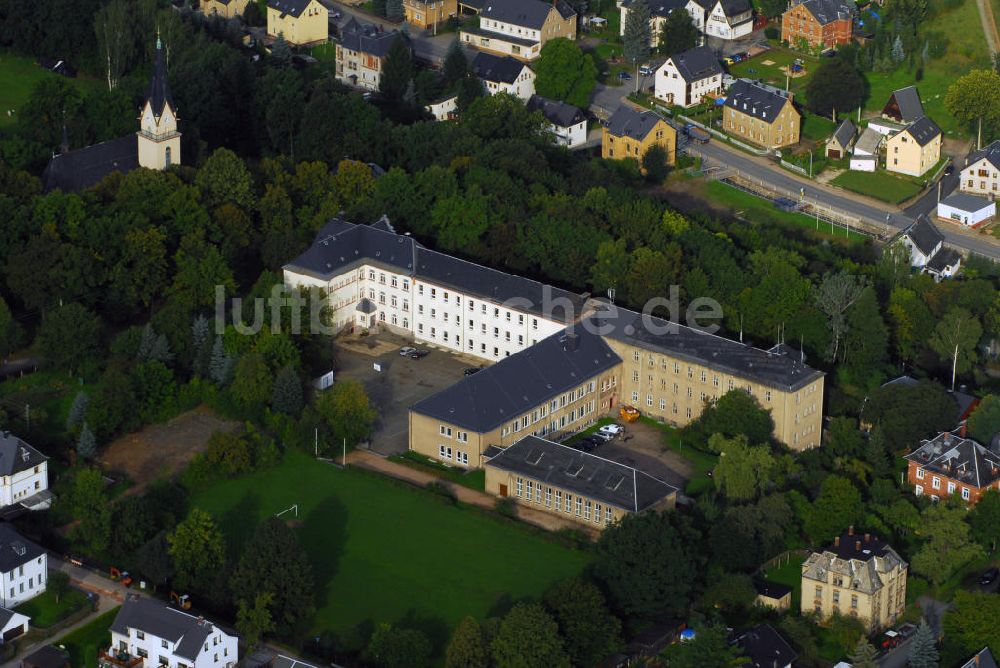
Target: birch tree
835,295
955,338
114,39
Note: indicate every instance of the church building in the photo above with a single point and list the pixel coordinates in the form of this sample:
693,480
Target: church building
156,145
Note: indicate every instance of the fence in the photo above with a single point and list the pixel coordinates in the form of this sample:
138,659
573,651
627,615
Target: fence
723,136
795,168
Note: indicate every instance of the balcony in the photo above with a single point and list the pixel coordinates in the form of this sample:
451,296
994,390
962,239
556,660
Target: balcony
118,659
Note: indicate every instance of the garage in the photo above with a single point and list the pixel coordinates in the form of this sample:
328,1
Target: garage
966,209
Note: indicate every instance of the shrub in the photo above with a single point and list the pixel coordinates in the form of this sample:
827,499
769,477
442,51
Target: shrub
442,490
506,506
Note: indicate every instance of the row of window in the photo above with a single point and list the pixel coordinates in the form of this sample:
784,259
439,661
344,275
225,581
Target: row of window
564,420
952,487
445,452
555,499
836,597
563,400
460,436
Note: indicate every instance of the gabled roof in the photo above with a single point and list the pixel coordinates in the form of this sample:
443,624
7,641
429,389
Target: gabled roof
983,659
526,13
749,98
765,648
558,113
16,455
366,38
732,8
923,130
660,8
519,383
828,11
924,234
958,458
627,122
186,632
159,90
696,64
845,133
869,141
991,152
293,7
499,69
15,550
904,105
859,558
86,167
769,589
582,473
966,202
946,258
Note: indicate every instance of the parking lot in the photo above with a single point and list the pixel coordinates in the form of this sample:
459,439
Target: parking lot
401,383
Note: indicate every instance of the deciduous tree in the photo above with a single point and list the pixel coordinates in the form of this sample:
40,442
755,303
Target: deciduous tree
743,471
253,620
837,507
197,549
975,97
528,636
468,648
590,630
346,413
69,335
564,72
947,543
836,86
392,647
955,338
678,33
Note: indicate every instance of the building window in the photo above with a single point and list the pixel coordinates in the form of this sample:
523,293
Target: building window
936,482
586,511
607,514
579,506
531,490
920,474
597,512
518,484
965,493
558,499
548,497
168,157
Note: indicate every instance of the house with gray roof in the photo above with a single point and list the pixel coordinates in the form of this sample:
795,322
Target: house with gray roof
951,465
504,74
24,475
762,115
519,28
687,78
982,659
966,209
922,239
23,567
763,647
728,19
566,123
160,634
981,173
840,144
914,150
659,10
580,486
904,106
361,53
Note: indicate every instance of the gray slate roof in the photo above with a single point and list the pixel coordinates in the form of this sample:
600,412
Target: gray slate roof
845,132
775,370
764,647
983,659
924,234
159,89
186,632
366,38
526,13
923,130
828,11
908,101
869,141
293,7
500,69
628,122
558,113
958,458
15,550
749,98
732,8
519,383
859,558
660,8
582,473
86,167
342,246
943,259
991,152
966,202
696,64
771,589
16,455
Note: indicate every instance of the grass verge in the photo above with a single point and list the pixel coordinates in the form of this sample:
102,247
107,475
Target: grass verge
879,185
45,611
84,643
473,479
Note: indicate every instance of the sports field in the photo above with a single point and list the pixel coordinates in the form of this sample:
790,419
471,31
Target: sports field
383,552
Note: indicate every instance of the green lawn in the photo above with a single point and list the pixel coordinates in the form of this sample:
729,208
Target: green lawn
773,74
45,611
385,552
84,643
473,478
324,52
880,185
816,127
790,575
17,77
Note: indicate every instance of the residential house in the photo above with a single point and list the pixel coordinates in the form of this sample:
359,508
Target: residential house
227,9
904,106
12,625
763,647
687,78
24,474
950,464
520,28
629,134
300,22
983,659
969,210
859,576
46,657
504,74
915,149
376,279
773,595
157,144
566,123
564,481
670,371
361,53
659,10
866,151
729,19
429,13
818,23
162,635
23,568
925,244
556,387
763,116
842,141
443,110
981,174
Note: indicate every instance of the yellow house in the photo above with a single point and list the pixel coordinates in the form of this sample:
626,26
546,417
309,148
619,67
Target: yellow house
227,9
301,22
914,149
761,116
629,134
858,576
585,488
773,595
429,13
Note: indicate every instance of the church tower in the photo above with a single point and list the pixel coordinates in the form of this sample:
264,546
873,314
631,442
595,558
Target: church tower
159,140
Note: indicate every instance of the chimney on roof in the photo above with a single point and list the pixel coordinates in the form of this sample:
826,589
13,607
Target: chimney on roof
850,530
857,545
836,541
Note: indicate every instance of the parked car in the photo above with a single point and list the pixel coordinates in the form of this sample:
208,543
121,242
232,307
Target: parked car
645,70
728,61
611,430
949,170
417,354
696,134
907,630
624,76
890,639
600,437
989,577
406,351
472,369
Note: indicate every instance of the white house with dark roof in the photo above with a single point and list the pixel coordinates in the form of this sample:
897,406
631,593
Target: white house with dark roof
685,79
983,659
981,174
659,10
520,28
925,244
360,53
865,154
966,209
729,19
162,635
503,74
566,123
12,625
23,568
24,474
